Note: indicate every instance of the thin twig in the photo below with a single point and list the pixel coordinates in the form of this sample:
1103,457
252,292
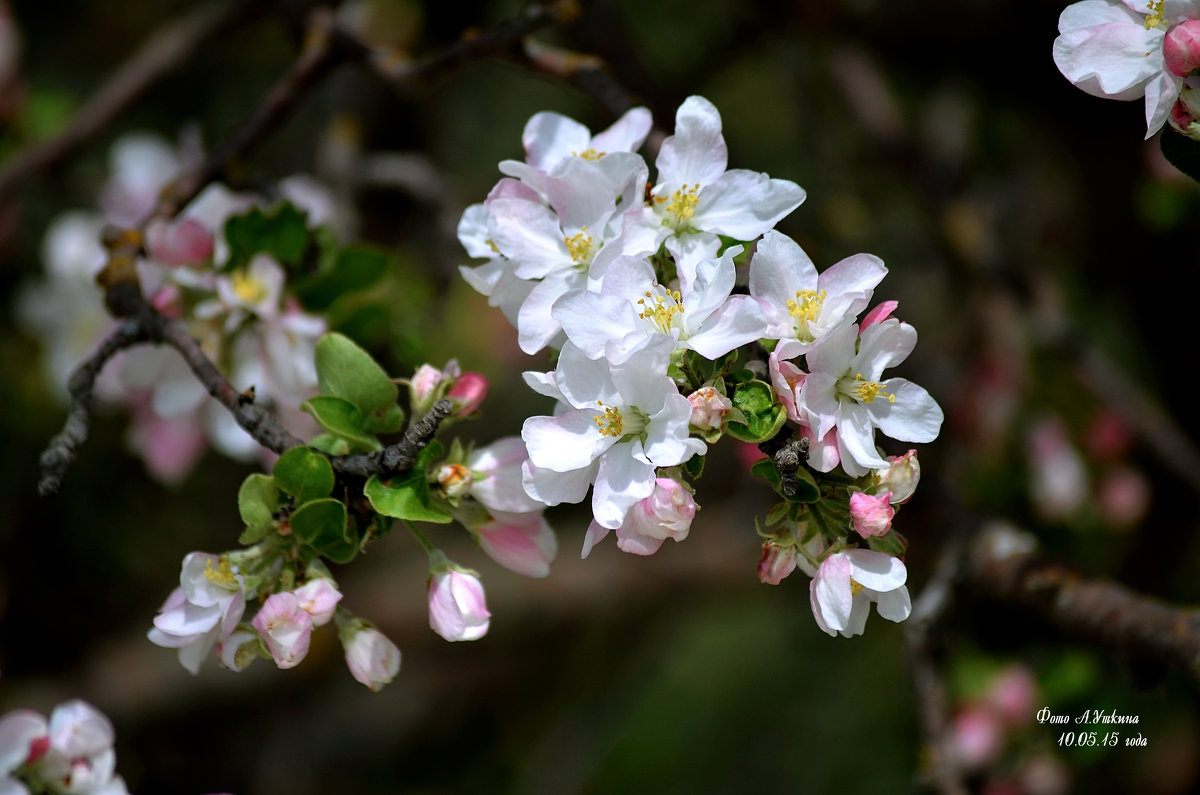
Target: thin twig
164,50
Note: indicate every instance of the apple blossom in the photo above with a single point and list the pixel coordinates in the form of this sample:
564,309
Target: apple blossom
371,657
70,753
666,513
520,542
709,408
1115,49
319,598
551,138
202,611
843,390
900,477
457,608
869,515
777,562
468,393
496,476
623,422
848,582
286,627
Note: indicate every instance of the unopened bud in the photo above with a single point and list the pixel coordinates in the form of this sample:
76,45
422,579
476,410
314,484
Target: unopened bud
1181,48
901,477
776,563
468,393
709,408
455,480
871,516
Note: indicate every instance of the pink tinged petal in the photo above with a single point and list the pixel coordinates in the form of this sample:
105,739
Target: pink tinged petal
626,134
823,454
457,606
285,627
776,563
745,204
319,598
830,594
523,543
170,447
594,535
1181,48
879,314
870,515
913,417
18,732
787,380
737,322
696,153
819,401
552,488
621,481
499,488
634,542
549,137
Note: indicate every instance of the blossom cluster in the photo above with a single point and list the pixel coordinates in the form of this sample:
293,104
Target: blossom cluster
1129,49
241,314
72,752
633,281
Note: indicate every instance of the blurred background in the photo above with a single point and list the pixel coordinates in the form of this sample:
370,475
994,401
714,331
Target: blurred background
1033,239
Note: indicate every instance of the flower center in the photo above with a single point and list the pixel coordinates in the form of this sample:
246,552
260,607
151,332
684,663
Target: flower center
681,206
865,391
222,575
1155,18
590,154
805,307
661,308
619,425
579,246
855,587
248,288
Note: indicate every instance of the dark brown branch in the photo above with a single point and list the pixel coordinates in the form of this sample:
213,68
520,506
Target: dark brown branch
1004,564
162,53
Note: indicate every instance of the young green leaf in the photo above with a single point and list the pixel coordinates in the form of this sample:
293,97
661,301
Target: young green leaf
258,499
321,524
764,414
305,474
346,371
342,419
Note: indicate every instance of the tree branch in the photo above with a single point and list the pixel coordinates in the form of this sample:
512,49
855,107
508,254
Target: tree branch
163,51
1004,564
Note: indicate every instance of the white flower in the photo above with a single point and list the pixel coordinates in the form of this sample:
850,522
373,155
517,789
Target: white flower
801,306
847,582
843,390
623,422
666,513
1114,49
633,308
551,138
496,480
203,610
696,198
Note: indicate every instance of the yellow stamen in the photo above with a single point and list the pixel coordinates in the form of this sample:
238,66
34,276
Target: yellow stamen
492,245
222,575
855,587
867,391
806,307
611,423
658,311
590,154
1155,18
579,246
682,205
248,288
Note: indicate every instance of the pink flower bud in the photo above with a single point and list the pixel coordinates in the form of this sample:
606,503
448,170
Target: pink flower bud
455,480
184,242
901,478
520,542
371,657
286,627
878,314
709,408
424,381
776,563
666,513
871,516
457,608
1181,47
319,598
468,393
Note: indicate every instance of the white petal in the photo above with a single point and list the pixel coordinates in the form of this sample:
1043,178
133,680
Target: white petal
621,481
549,137
876,571
914,417
696,153
745,204
565,443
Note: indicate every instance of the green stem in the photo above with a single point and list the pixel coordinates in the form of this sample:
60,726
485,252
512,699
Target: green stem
436,556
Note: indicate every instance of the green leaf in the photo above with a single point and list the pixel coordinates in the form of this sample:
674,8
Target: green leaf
321,524
253,534
388,420
407,496
342,419
258,499
281,232
891,543
346,371
328,443
694,467
765,468
764,415
352,269
305,474
1182,152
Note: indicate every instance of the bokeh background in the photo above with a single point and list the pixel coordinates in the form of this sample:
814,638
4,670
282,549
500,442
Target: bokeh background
1030,233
